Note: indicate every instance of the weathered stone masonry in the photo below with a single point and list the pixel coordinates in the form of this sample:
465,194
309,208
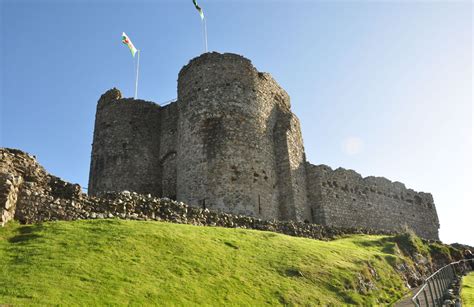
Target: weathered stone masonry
29,194
231,143
343,198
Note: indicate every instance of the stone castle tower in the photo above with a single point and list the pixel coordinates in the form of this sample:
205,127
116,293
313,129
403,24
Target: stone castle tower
231,143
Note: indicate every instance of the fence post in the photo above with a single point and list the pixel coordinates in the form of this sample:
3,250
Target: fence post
451,272
438,288
445,280
439,282
431,294
426,297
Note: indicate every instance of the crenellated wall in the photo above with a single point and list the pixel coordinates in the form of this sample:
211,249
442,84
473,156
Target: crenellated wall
344,198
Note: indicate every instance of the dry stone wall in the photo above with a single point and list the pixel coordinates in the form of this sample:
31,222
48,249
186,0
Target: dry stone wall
17,170
344,198
9,189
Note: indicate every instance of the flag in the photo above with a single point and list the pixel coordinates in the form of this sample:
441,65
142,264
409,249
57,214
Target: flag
129,43
201,13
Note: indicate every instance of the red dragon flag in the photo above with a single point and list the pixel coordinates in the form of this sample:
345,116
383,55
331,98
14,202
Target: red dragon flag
129,43
133,50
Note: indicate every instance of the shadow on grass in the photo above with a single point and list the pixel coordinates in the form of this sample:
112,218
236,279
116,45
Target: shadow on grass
373,243
21,249
386,245
293,272
230,244
392,260
26,233
342,293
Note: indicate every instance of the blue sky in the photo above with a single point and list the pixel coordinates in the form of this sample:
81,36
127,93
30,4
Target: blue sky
382,87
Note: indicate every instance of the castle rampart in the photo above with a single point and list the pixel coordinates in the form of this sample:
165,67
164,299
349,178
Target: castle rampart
344,198
231,143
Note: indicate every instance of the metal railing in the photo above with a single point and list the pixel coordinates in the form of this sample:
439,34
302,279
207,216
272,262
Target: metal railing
435,287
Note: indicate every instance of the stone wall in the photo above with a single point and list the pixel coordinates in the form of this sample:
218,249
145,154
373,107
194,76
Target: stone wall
42,197
168,150
17,170
343,198
9,189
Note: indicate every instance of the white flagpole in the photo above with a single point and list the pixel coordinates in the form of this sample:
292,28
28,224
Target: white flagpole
205,33
136,79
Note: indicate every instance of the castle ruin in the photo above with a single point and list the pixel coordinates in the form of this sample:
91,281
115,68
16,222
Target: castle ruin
230,143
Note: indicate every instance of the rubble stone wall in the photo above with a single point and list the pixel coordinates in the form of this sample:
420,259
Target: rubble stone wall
9,189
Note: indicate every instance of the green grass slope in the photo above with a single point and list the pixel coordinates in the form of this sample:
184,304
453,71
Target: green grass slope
467,291
99,262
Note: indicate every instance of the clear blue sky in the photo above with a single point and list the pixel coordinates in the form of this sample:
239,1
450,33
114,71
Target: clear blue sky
382,87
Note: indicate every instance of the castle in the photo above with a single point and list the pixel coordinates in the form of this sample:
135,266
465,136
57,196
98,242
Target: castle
231,143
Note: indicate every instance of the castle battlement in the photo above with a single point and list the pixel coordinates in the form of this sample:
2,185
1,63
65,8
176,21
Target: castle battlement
231,143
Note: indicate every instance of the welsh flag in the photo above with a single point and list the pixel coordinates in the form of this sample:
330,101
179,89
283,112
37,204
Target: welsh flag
129,43
199,9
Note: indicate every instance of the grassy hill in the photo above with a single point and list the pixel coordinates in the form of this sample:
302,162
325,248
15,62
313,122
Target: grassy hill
467,291
131,262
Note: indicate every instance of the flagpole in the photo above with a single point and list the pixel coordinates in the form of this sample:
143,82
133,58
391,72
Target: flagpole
205,33
136,79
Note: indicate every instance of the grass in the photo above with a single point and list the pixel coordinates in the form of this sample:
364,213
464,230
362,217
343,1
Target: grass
467,291
117,262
